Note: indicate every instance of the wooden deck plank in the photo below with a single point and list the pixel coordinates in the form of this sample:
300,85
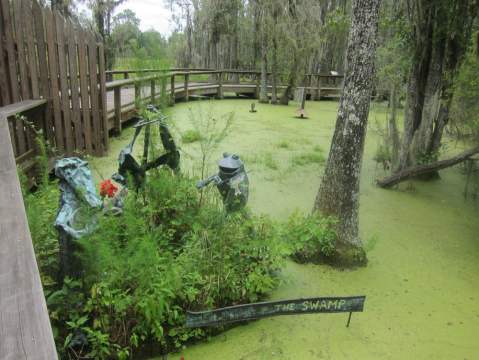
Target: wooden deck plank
96,126
85,100
10,47
31,51
25,330
55,91
45,90
104,111
4,85
19,38
68,133
74,86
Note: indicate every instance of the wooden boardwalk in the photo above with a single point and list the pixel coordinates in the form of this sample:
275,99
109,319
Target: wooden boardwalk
25,331
206,89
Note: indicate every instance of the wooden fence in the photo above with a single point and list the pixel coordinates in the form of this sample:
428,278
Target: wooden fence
44,56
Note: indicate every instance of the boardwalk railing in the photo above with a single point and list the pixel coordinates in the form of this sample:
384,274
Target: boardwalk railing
148,85
25,331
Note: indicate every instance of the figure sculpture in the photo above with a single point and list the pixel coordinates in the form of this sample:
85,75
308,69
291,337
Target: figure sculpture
129,166
232,182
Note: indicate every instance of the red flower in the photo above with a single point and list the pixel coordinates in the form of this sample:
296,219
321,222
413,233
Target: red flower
107,188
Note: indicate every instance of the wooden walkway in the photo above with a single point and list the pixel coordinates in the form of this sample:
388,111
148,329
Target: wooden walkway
183,91
25,331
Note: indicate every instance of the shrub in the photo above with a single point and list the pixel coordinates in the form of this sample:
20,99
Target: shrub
312,238
142,270
283,144
191,136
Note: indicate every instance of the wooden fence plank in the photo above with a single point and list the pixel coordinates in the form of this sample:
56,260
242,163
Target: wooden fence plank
74,89
4,93
104,110
25,330
19,38
64,88
31,51
53,65
10,47
44,88
85,101
96,128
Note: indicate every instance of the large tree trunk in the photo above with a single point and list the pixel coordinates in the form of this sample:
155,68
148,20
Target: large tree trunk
423,17
393,132
419,170
338,195
442,33
263,95
274,73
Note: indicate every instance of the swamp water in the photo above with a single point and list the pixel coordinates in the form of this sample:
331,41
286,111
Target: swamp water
422,278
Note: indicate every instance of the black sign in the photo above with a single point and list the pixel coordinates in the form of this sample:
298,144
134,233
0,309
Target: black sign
273,308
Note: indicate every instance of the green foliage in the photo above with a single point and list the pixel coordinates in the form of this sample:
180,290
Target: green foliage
190,136
143,269
283,144
383,154
311,237
465,107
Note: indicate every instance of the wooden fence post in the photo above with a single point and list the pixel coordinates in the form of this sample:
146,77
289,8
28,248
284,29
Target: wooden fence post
172,90
117,105
219,76
163,95
137,93
186,87
256,90
315,92
25,328
152,90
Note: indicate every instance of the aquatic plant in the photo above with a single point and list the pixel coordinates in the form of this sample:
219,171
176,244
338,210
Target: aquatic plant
311,237
190,136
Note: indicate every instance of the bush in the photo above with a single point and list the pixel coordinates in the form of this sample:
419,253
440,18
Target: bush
312,238
191,136
142,270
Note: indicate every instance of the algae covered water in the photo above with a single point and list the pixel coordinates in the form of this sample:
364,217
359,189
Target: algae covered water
422,239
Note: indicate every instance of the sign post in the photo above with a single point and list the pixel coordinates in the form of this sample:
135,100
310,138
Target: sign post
260,310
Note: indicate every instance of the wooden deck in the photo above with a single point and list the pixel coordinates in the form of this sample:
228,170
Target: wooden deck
25,331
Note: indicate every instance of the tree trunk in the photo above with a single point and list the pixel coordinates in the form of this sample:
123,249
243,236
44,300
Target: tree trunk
338,195
417,78
419,170
392,127
274,68
263,95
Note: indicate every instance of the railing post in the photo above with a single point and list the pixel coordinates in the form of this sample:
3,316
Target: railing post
186,87
153,90
164,95
317,90
256,91
137,93
117,105
220,85
172,90
126,75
